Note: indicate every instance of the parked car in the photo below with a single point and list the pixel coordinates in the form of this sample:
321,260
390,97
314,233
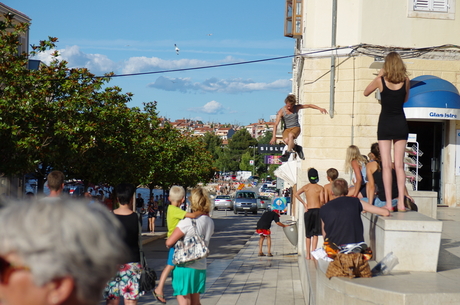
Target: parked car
74,190
245,201
263,202
223,202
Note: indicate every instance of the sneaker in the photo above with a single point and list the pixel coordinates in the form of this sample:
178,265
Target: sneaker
298,149
285,157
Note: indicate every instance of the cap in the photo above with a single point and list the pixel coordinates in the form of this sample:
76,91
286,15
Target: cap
313,175
277,212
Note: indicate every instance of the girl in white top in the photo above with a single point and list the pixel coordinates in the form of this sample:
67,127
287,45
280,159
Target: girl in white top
189,281
356,163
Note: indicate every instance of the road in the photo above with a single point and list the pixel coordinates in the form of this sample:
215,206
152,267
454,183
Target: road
231,232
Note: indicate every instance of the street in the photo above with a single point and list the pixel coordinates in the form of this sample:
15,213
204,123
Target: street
231,232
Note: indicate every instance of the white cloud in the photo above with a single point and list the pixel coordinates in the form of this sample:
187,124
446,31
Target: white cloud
236,85
144,64
96,63
211,107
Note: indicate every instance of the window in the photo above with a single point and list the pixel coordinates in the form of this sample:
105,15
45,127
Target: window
293,19
432,9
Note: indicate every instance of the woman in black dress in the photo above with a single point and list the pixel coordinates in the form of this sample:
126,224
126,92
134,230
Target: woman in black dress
393,84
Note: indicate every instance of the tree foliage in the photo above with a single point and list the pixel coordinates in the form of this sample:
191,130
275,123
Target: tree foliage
69,119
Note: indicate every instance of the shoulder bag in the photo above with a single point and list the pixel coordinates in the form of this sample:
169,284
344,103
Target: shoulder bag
190,248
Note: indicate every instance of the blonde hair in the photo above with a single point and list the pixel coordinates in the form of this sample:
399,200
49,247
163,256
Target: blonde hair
353,153
176,193
395,69
200,200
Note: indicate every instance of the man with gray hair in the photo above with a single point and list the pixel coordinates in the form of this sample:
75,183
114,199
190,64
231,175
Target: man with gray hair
341,217
59,253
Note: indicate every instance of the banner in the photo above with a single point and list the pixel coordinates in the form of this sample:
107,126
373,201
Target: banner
272,159
270,149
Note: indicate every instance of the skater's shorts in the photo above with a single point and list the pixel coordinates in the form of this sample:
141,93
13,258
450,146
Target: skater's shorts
263,232
293,130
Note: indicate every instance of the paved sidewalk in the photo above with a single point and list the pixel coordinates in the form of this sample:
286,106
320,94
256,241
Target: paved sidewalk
249,279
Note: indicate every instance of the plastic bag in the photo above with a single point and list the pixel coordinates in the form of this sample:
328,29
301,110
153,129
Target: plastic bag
385,265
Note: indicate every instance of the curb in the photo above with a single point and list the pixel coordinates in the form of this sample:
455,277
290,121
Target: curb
149,239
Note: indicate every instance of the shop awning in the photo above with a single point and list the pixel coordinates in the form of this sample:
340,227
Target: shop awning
432,98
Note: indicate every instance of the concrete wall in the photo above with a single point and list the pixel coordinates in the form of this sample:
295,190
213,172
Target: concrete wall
389,22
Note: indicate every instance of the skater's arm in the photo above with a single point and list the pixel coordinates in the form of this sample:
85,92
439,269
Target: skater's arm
275,127
304,106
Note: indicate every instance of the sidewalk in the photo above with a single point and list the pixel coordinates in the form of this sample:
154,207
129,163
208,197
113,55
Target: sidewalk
249,279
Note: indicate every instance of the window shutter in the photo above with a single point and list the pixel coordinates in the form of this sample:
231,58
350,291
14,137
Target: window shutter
440,5
421,5
431,5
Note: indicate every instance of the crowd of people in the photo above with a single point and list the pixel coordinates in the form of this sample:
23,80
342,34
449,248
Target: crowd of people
84,252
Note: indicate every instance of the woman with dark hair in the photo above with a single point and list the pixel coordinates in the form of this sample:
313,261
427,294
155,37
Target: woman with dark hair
126,282
394,85
375,187
189,280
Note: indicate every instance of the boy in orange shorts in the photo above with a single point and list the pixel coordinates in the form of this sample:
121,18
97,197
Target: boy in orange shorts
263,229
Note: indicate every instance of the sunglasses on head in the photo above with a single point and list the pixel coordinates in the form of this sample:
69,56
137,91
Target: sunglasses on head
7,268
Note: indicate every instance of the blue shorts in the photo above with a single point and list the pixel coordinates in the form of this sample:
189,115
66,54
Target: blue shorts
170,256
379,203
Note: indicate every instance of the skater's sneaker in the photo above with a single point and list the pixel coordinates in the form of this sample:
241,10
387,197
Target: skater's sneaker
298,149
285,157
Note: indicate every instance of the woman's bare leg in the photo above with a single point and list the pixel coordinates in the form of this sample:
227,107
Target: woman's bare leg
399,149
385,154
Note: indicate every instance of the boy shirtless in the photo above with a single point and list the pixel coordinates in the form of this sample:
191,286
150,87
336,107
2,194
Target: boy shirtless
332,174
314,194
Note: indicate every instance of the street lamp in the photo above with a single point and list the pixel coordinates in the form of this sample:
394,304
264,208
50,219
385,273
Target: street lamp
253,158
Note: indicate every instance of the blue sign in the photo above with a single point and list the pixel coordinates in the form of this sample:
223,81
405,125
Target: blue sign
279,203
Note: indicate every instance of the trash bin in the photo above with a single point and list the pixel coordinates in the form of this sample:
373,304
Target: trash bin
291,232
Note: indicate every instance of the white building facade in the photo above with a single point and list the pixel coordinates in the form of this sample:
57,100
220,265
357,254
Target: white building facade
339,47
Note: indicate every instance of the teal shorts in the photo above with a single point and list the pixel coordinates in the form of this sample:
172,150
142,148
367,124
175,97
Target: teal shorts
188,280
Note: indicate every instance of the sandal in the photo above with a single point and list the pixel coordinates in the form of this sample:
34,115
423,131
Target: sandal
159,296
270,255
261,254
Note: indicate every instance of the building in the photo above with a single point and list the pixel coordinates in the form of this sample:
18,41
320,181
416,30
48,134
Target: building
339,47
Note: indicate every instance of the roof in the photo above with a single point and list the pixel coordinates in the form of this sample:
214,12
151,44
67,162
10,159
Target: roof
23,17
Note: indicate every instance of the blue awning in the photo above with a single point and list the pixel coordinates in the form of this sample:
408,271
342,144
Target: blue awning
432,98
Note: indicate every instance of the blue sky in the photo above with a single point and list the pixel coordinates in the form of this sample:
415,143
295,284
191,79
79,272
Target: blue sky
139,36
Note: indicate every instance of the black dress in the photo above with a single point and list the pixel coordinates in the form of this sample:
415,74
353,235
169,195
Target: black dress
392,121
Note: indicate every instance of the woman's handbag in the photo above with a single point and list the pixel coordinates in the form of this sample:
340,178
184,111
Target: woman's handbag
148,276
190,248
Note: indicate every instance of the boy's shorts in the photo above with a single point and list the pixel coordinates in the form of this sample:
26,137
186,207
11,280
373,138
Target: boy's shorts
294,130
170,256
263,232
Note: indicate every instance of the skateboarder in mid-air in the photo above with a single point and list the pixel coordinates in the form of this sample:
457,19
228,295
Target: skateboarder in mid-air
290,116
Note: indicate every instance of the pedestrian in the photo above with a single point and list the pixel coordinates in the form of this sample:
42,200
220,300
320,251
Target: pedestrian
49,255
341,217
140,207
189,280
314,195
331,175
125,284
152,209
173,216
355,162
290,116
263,229
55,181
394,86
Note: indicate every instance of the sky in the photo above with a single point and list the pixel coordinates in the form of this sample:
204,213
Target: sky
129,37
